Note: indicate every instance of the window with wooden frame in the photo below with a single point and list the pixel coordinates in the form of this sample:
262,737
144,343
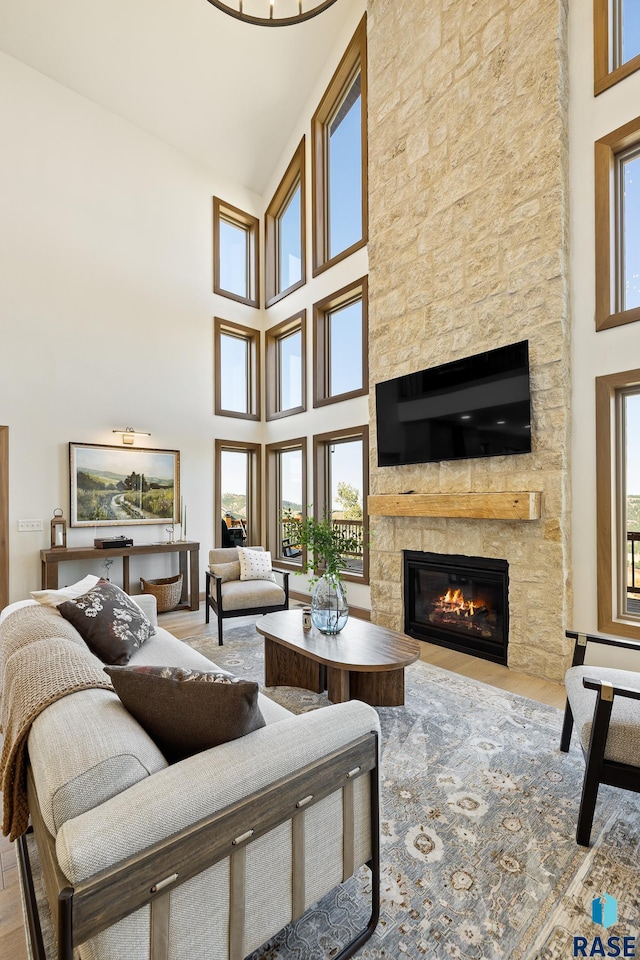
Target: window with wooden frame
618,502
286,499
339,159
286,367
285,232
237,493
235,253
237,370
340,345
616,39
617,172
341,487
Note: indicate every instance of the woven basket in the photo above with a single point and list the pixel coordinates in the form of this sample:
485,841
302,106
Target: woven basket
167,591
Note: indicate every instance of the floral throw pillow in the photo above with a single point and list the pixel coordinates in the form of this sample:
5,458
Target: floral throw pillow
187,711
111,624
255,564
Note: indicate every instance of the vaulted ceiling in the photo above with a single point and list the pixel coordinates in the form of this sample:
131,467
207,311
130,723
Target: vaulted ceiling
226,93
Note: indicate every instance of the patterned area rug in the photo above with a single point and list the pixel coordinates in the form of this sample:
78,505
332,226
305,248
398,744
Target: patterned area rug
479,812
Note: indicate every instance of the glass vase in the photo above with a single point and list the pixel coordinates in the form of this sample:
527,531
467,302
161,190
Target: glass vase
329,607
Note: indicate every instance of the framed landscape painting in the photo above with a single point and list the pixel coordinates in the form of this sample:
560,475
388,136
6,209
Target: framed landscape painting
123,485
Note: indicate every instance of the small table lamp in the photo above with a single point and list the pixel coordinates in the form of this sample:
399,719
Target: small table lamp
58,529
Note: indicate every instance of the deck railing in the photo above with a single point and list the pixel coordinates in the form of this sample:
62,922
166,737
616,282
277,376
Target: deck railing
633,537
348,528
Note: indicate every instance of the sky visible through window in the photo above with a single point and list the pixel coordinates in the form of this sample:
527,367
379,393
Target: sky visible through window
631,206
233,480
291,478
290,349
633,444
289,250
345,176
233,373
630,29
345,466
233,258
345,349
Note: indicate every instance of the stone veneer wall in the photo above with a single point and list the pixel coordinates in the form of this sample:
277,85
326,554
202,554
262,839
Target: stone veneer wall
468,227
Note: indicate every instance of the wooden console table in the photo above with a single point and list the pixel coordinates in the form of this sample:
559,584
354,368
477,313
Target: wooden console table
49,560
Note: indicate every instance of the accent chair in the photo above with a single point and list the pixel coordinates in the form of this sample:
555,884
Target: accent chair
604,703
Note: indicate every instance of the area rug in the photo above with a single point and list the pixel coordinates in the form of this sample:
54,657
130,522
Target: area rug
479,809
479,812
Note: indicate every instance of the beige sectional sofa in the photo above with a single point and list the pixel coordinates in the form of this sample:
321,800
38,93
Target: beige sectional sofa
205,858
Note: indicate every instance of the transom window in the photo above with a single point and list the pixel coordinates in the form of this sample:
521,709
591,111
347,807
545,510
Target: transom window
285,231
286,367
235,253
237,370
340,345
616,41
617,189
341,485
339,154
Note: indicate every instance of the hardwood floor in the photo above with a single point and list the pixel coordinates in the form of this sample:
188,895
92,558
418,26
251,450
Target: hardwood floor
185,624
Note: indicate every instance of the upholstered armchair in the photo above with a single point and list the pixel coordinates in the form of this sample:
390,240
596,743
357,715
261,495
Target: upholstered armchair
230,596
604,703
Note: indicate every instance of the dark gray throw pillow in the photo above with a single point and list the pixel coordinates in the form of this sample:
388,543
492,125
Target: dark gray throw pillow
109,622
186,711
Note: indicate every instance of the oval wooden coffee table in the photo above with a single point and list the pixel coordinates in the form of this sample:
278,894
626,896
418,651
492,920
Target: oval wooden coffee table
362,662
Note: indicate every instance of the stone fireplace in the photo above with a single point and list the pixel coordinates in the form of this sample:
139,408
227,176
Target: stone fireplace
457,602
468,226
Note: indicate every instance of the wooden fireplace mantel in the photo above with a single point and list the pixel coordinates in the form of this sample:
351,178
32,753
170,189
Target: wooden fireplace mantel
514,505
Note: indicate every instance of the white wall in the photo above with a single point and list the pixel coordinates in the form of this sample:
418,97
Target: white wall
106,307
593,354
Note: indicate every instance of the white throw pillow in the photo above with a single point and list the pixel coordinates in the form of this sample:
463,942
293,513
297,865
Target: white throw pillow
52,598
255,564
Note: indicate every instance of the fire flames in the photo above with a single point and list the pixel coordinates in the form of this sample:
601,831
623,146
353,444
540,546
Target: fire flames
454,602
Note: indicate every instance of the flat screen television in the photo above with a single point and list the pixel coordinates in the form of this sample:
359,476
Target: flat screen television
479,406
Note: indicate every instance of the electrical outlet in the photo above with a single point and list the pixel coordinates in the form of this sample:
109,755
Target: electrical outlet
29,526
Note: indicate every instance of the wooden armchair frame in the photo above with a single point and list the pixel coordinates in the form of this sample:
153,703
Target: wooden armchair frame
214,601
598,769
81,912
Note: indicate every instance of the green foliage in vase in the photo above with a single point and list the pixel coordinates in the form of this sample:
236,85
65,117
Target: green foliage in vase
327,544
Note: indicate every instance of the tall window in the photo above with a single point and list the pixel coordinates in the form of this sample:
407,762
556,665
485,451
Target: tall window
237,489
340,331
285,232
286,497
618,502
341,486
237,370
339,169
617,171
616,41
629,473
235,253
628,197
286,367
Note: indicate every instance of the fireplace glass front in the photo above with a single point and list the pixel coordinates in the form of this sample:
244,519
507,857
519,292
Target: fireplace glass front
458,602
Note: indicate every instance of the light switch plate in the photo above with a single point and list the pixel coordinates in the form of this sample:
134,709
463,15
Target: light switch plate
29,526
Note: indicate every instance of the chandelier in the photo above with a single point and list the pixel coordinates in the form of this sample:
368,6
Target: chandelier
272,13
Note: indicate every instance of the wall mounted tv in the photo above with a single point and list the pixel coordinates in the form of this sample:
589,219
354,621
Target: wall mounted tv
479,406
